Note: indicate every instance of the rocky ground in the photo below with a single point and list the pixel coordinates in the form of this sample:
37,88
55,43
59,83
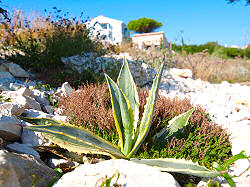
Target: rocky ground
21,164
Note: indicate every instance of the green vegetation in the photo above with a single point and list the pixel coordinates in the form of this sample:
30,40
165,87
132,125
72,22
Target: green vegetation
5,100
92,109
38,44
143,25
131,131
234,1
214,49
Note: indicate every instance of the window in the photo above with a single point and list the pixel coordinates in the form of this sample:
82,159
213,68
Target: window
104,25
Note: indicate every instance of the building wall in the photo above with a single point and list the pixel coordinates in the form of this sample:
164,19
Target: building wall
115,31
149,39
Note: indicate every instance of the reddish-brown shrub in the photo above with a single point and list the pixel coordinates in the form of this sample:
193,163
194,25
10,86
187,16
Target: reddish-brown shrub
90,106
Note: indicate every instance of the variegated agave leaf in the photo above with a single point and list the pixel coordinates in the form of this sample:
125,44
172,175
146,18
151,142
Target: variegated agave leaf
148,112
128,87
178,166
77,139
122,110
39,121
173,126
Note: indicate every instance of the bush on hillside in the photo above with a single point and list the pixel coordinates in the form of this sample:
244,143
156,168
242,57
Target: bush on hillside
90,107
41,42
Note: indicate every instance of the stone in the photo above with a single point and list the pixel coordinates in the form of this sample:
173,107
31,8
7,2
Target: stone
60,163
22,91
4,87
8,176
15,86
60,118
15,70
6,77
130,174
41,97
9,128
66,89
29,102
31,113
19,171
33,138
11,108
25,92
49,109
23,148
182,73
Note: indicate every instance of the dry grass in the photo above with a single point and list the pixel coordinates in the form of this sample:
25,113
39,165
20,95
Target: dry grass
204,66
214,69
152,56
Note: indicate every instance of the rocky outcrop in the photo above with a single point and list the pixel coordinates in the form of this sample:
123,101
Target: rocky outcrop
142,73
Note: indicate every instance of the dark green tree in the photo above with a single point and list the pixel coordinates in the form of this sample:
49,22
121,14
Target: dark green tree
143,25
234,1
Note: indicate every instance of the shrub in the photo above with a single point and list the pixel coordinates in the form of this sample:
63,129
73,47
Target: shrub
200,141
42,41
90,106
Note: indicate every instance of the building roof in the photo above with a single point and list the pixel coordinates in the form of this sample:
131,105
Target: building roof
149,34
105,19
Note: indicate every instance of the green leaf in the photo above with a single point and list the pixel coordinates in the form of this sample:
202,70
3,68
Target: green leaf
128,87
175,125
114,94
39,121
77,139
148,112
178,166
126,115
225,166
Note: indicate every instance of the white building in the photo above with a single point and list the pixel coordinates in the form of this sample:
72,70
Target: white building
110,30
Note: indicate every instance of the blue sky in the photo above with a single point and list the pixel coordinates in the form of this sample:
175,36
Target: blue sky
197,21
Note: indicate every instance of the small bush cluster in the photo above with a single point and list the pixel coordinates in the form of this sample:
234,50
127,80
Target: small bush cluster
40,42
90,107
201,140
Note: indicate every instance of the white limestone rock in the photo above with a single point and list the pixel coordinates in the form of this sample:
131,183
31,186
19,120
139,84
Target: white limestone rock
9,128
8,176
33,138
131,174
66,89
11,108
29,102
15,86
6,77
4,87
60,163
23,148
182,73
15,70
31,113
41,97
19,170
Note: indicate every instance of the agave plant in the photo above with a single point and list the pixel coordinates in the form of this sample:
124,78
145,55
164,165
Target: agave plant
132,131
